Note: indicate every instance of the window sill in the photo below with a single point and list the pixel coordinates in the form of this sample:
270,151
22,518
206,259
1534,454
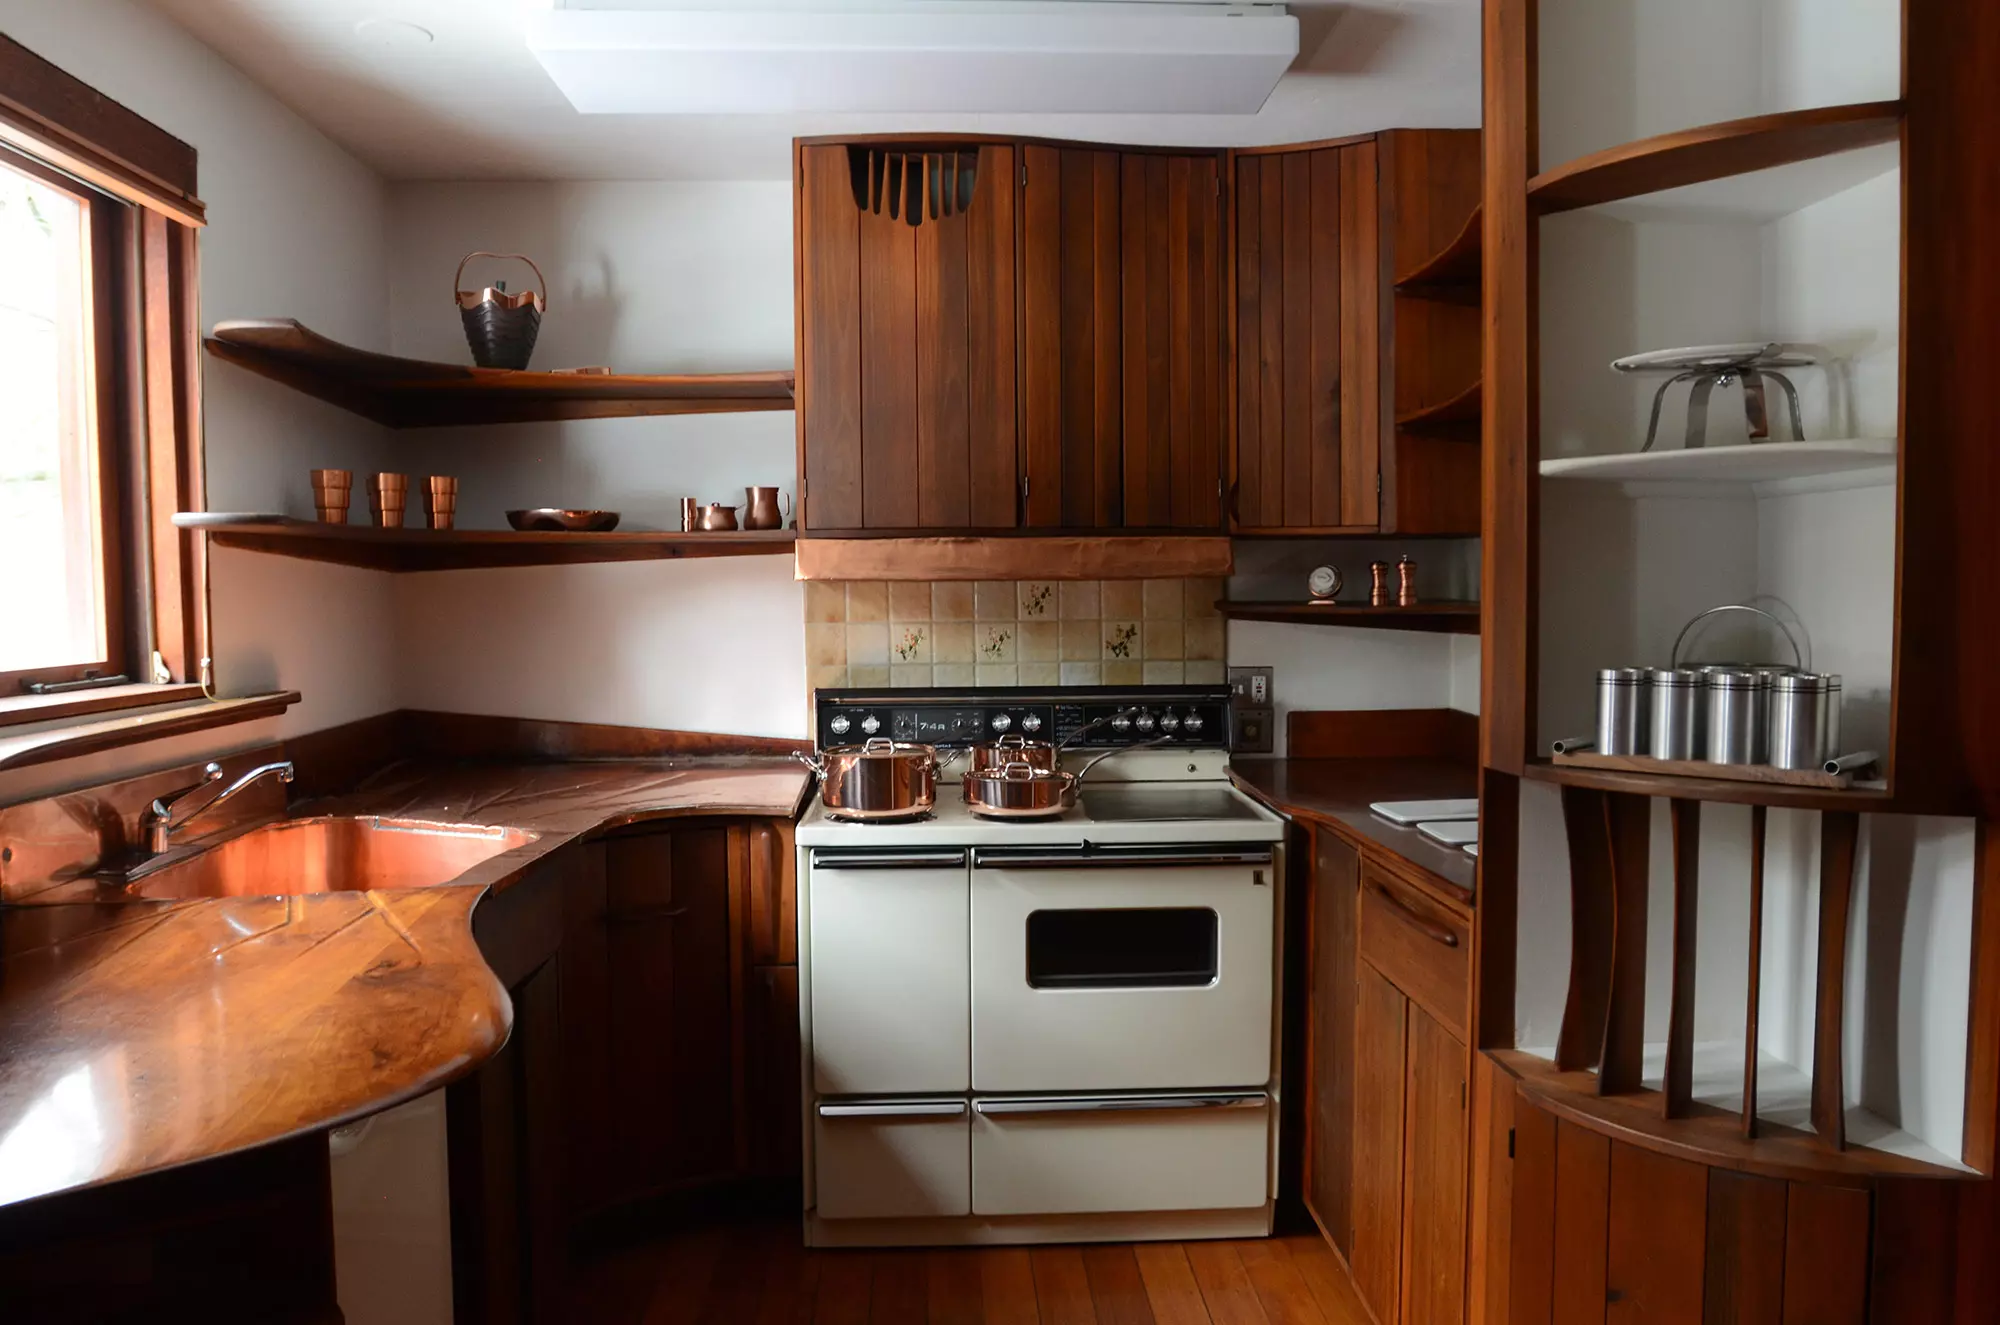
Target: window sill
67,740
19,710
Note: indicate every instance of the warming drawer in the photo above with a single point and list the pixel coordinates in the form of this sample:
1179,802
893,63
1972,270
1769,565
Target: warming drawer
891,1159
1101,1154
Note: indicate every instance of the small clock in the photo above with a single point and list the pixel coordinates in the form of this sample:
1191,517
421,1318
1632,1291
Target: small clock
1325,583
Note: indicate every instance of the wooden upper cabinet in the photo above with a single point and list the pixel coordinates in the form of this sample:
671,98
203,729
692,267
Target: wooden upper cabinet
1308,341
1121,339
907,382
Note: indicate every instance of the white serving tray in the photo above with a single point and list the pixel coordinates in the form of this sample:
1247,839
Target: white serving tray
1451,832
1408,813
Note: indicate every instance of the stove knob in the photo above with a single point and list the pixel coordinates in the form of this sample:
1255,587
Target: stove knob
1031,722
1170,721
871,724
1146,722
1121,723
839,725
1193,723
1001,722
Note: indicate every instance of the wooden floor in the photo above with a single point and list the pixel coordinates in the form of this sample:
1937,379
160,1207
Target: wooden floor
759,1274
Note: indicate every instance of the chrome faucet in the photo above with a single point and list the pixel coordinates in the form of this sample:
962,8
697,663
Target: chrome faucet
165,817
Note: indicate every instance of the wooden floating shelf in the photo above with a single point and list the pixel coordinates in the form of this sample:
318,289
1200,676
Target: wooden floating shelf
1460,410
1451,275
1758,462
1763,774
1714,151
469,549
1572,771
1451,618
411,393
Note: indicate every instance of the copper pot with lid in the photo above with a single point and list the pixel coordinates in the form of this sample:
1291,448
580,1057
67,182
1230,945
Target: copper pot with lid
879,779
1019,790
1013,748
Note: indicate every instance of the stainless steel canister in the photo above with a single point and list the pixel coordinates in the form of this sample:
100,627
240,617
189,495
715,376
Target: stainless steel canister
1621,711
1674,731
1805,720
1729,715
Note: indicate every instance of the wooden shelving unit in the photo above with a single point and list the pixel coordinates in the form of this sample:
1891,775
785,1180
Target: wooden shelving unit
469,549
412,393
1713,151
1461,410
1451,618
1452,274
1864,799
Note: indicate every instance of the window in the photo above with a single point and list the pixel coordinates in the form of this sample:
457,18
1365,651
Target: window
61,611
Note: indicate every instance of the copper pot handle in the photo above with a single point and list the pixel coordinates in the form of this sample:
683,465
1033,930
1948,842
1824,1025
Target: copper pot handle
459,275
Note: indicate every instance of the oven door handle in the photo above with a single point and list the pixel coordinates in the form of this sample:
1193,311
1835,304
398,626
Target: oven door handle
823,859
894,1109
1028,1108
1030,859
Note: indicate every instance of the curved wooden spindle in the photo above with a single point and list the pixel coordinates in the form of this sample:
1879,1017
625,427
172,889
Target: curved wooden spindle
1839,832
1679,1083
1754,995
1584,825
1629,830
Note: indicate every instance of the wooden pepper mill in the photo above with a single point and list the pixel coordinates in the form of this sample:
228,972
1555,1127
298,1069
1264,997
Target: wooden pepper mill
1406,582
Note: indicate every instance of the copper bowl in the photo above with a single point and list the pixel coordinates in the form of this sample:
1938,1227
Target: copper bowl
573,522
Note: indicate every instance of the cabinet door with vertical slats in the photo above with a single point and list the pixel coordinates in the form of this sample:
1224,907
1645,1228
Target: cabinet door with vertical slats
1380,1058
1434,1175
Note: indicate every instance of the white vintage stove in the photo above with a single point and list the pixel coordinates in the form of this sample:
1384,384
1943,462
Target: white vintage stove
1059,1030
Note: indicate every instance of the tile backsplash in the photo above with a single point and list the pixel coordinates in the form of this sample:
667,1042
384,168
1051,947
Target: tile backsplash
1013,632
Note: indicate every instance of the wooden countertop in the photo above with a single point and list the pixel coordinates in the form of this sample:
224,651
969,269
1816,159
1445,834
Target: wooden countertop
135,1036
1338,792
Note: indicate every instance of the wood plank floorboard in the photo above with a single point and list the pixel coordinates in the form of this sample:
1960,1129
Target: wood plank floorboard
762,1274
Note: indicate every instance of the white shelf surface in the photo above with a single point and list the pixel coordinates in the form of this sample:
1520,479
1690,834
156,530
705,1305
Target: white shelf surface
1757,462
1763,195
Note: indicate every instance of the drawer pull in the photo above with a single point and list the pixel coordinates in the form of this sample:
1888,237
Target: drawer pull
1117,1103
1438,933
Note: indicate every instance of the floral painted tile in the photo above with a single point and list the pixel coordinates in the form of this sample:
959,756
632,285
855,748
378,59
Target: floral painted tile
1037,599
995,600
826,645
909,600
1079,600
826,600
1123,672
1082,674
1040,674
998,674
868,644
953,674
998,643
1039,641
902,677
951,642
951,601
1165,640
1121,639
1205,640
867,600
910,642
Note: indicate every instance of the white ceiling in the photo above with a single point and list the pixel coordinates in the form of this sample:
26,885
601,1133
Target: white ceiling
472,103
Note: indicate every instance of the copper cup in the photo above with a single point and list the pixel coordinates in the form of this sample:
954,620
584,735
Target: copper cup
332,489
388,494
440,501
690,515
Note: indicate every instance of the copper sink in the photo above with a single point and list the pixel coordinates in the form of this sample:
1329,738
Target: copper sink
330,853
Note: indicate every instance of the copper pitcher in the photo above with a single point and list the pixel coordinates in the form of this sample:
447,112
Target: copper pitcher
762,511
716,516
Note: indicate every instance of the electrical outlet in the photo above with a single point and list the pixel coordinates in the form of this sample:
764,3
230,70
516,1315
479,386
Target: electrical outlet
1255,731
1250,687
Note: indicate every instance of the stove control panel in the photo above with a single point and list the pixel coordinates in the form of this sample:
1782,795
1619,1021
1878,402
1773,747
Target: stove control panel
1085,717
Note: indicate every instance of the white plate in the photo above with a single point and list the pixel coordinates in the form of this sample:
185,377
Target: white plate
1472,849
1768,354
1412,812
1452,832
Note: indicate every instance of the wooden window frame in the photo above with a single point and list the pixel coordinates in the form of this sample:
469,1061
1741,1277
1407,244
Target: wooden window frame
145,226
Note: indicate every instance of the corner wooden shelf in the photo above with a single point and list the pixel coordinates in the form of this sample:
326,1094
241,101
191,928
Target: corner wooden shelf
1460,410
1862,800
412,393
1452,274
1451,618
1760,462
469,549
1713,151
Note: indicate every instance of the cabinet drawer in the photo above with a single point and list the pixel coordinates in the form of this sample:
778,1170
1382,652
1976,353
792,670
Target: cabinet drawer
892,1159
1423,947
1097,1154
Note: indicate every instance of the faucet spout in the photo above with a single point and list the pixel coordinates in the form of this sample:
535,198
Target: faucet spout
167,815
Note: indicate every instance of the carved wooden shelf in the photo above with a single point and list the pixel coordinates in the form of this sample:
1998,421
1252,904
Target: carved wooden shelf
1712,151
1461,410
411,393
1452,618
1452,274
466,549
1865,800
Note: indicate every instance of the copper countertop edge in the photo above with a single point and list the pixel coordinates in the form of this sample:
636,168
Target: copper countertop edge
188,920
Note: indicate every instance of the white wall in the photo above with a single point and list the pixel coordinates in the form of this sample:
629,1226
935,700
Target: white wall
295,229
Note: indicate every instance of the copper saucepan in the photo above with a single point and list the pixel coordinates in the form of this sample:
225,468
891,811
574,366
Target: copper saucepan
879,779
1019,791
1012,749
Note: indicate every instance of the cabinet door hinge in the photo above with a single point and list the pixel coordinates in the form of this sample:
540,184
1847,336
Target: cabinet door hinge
1024,174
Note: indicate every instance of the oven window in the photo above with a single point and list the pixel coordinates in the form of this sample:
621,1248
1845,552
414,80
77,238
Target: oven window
1153,948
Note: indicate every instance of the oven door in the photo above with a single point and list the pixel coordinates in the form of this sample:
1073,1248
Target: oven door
1135,968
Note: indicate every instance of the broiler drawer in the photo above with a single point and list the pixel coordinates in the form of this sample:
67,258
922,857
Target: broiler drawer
1422,946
